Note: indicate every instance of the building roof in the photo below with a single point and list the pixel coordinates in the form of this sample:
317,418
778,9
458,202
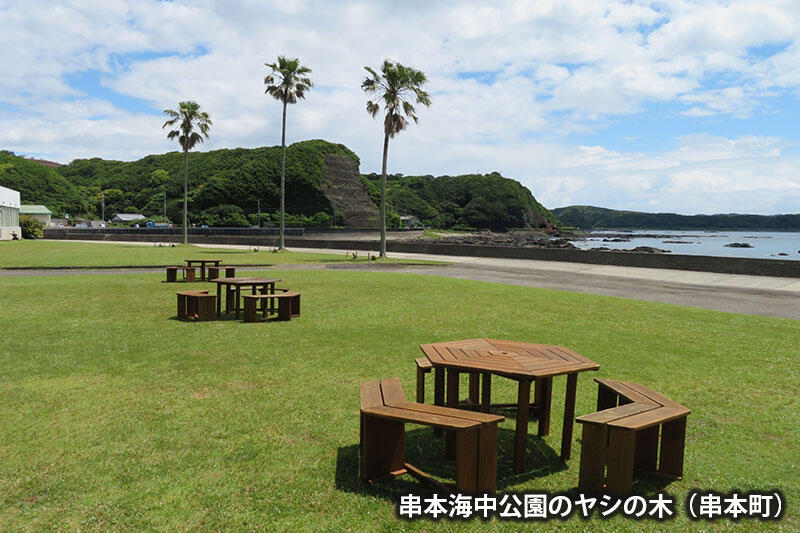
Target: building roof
126,217
34,210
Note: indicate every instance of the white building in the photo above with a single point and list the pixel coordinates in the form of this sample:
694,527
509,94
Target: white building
9,213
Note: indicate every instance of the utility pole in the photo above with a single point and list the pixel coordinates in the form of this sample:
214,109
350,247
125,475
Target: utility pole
103,205
165,206
259,212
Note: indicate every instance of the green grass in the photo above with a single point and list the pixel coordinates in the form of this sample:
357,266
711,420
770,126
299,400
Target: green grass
18,254
113,415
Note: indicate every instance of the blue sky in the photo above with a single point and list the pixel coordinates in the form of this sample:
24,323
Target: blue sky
670,105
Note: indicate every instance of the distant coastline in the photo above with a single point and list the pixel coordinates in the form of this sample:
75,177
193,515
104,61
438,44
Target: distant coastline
585,217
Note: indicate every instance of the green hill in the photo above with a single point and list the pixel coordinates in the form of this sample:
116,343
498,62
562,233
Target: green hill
41,185
226,187
589,217
487,201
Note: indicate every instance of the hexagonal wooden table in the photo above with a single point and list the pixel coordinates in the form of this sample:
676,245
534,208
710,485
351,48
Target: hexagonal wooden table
521,361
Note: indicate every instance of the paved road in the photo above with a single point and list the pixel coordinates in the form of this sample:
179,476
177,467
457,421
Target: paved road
756,295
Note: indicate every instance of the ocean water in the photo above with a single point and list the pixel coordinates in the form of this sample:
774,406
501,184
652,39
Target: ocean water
765,245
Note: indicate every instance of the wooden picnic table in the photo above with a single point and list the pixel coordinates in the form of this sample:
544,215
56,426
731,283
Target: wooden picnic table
520,361
233,290
202,264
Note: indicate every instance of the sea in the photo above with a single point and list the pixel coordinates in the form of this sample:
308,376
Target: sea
756,244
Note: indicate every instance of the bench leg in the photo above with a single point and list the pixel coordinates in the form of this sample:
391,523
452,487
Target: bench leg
569,416
230,272
421,383
190,277
593,458
487,458
673,440
521,434
250,311
647,449
621,451
213,273
467,460
172,275
383,447
284,308
452,401
606,398
181,306
206,309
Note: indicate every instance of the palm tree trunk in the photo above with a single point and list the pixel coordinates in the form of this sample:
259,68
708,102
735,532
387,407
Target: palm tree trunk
185,195
383,196
283,175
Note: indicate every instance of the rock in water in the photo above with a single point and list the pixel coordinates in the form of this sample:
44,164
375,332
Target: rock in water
738,245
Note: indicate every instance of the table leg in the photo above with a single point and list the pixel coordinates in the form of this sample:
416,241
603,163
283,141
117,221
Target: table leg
569,416
219,299
438,391
474,387
521,436
544,397
452,401
486,392
238,294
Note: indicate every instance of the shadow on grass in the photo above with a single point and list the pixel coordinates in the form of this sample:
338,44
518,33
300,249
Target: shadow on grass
426,451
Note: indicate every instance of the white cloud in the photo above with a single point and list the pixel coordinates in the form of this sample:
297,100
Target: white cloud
554,69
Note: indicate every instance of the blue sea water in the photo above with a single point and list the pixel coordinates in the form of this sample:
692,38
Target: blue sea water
765,245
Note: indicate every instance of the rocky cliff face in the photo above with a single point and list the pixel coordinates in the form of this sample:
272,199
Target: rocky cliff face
341,184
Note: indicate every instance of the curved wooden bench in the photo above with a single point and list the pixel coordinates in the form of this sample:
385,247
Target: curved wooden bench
384,412
197,305
189,273
288,305
635,428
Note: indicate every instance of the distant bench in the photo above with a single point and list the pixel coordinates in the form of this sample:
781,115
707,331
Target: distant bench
197,305
623,436
189,273
384,412
288,305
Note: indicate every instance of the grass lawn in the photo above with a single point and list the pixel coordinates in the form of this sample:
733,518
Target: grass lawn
31,253
113,415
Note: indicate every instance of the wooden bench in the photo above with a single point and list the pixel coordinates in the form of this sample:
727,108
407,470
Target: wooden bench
384,412
288,305
189,273
197,305
213,272
634,428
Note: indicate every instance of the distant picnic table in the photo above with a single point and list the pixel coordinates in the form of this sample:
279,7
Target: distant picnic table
233,290
520,361
202,264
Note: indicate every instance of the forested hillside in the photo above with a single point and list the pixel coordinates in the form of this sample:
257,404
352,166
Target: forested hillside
589,217
40,185
487,201
226,187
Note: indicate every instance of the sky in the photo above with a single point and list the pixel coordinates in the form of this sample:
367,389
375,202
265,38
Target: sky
660,106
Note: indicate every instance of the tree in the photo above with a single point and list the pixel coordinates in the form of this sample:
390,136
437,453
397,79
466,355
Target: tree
188,115
393,86
286,83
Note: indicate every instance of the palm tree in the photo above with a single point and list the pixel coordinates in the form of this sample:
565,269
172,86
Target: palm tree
393,86
292,84
188,115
